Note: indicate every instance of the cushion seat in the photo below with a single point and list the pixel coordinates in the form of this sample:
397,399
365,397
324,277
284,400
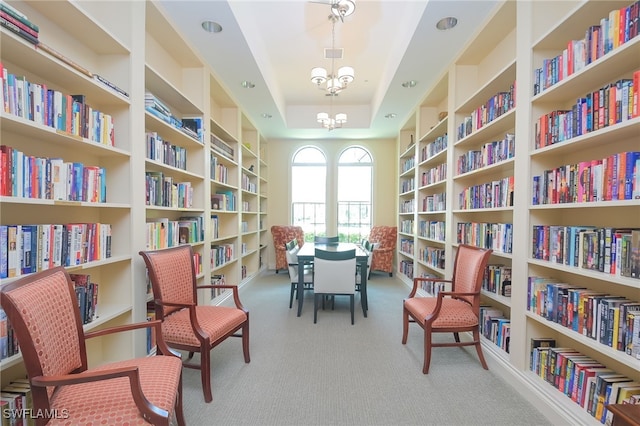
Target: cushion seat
215,321
453,312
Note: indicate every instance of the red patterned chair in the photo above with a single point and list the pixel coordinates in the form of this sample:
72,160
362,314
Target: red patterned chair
44,313
282,234
186,325
456,311
386,237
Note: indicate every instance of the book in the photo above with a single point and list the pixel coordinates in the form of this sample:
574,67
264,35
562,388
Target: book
111,85
17,30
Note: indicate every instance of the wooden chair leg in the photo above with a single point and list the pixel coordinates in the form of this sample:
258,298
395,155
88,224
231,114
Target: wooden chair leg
405,326
179,411
245,342
427,350
456,336
293,290
205,373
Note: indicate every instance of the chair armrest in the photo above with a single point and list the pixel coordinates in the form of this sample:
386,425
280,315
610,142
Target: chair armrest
233,287
162,347
417,280
148,410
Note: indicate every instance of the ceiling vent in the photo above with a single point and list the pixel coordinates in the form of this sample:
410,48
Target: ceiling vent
333,53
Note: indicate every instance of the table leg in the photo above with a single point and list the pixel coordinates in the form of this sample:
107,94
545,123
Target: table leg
300,292
363,287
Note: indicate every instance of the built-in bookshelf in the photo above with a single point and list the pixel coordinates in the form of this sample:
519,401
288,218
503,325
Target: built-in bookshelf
169,125
530,175
407,204
69,176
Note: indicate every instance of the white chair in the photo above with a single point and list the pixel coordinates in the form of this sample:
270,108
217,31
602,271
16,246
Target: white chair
292,265
333,274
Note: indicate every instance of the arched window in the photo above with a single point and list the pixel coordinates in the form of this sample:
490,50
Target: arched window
355,180
308,191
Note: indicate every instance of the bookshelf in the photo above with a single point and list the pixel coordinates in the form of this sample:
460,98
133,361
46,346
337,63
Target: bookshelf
502,152
92,45
407,201
199,143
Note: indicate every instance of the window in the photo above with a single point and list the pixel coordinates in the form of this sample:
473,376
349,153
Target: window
354,194
308,191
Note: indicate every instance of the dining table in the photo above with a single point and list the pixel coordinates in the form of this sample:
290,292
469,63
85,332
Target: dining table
306,255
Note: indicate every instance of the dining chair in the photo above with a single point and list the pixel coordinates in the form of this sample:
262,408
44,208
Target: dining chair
454,311
281,235
386,237
45,317
186,325
292,263
326,240
333,275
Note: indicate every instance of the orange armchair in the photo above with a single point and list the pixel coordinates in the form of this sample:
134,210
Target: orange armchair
43,310
386,238
282,234
454,311
186,325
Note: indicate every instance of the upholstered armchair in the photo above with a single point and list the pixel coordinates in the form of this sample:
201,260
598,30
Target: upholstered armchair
282,234
385,236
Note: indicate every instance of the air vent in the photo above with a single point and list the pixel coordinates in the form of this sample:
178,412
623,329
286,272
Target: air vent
333,53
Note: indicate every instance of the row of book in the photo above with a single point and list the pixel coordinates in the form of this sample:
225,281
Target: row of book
497,279
407,185
25,249
614,251
247,185
217,279
405,267
164,232
494,108
434,230
496,236
406,226
584,380
432,256
219,172
433,287
433,148
18,23
222,147
158,149
608,319
191,126
497,193
16,405
161,190
616,177
612,32
67,113
434,202
495,326
433,175
611,104
8,343
406,246
407,206
47,178
223,200
221,254
490,153
87,295
407,164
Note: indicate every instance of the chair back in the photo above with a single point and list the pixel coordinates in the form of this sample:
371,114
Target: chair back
334,272
292,261
44,313
326,240
173,276
468,272
385,235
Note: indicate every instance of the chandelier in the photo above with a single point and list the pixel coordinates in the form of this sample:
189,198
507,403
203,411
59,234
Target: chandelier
331,123
336,82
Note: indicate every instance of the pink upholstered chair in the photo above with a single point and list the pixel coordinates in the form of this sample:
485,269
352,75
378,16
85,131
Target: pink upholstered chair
386,239
44,313
185,324
282,234
454,311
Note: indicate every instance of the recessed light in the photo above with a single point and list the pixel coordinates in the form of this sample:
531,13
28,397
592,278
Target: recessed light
247,84
391,115
211,26
410,83
265,115
447,23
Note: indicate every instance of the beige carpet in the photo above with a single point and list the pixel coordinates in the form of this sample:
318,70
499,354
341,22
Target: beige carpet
335,373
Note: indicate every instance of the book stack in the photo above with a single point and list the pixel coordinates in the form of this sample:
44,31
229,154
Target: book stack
156,107
18,23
